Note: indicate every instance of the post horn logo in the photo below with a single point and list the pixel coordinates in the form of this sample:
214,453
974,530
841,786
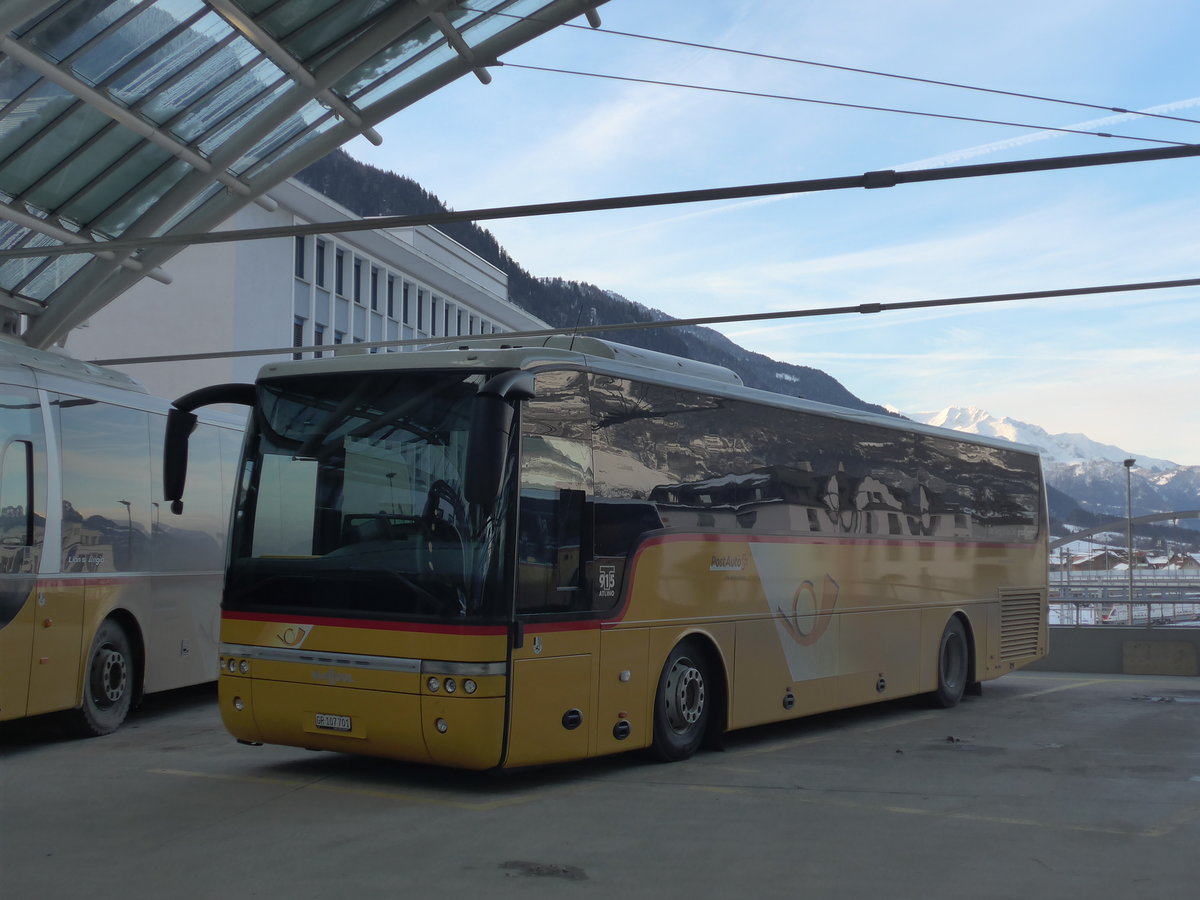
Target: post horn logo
808,619
293,635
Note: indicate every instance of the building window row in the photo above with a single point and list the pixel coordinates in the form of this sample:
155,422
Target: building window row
366,300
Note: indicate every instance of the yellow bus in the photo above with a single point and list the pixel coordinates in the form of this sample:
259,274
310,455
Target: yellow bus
505,553
102,597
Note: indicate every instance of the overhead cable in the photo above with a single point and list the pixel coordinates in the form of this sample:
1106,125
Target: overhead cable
861,309
840,104
869,180
875,72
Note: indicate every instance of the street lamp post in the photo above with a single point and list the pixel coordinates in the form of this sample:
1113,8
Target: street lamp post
1129,535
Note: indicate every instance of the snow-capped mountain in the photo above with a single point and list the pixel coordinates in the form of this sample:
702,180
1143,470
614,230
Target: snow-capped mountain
1090,473
1055,448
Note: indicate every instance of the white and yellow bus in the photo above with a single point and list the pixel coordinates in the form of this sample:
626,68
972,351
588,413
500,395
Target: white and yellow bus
510,553
103,596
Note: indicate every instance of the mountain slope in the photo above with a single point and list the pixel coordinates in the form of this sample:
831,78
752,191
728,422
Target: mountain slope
1087,478
1057,448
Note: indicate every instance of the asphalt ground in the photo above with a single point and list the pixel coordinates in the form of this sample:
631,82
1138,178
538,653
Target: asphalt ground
1049,785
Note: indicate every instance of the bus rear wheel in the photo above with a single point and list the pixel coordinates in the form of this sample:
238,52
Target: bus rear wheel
953,664
683,703
108,683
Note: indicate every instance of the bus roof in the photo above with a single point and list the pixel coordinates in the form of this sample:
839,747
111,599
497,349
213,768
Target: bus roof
16,354
604,357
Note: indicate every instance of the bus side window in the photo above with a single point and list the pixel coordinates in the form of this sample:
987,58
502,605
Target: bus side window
194,540
105,486
16,503
550,552
554,532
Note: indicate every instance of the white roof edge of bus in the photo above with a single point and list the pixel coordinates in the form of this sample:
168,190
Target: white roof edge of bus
609,358
54,362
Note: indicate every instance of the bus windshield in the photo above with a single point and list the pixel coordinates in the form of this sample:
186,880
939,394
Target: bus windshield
351,502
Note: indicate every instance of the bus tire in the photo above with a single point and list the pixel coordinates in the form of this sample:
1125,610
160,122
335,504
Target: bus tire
683,702
953,664
109,683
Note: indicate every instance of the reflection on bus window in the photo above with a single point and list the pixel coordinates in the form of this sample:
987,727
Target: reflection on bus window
284,518
358,481
711,463
106,499
556,483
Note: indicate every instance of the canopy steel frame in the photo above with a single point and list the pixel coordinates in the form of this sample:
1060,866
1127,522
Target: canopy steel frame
189,204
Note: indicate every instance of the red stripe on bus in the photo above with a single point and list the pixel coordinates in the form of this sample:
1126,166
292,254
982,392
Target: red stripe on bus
371,624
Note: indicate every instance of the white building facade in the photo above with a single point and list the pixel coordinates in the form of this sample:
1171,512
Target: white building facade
325,290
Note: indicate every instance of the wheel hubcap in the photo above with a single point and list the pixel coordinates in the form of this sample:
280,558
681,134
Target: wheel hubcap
685,695
110,676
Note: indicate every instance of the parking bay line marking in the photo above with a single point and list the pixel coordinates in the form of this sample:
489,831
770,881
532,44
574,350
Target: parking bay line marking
1061,687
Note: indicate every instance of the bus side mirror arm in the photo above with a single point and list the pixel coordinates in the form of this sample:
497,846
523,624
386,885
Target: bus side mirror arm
491,428
181,422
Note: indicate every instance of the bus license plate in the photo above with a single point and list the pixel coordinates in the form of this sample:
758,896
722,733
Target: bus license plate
333,723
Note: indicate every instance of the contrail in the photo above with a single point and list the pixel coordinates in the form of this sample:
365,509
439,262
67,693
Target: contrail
957,156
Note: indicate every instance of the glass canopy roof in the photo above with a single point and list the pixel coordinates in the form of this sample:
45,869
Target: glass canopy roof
142,118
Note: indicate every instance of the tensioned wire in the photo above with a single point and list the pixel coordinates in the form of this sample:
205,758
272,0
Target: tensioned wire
862,308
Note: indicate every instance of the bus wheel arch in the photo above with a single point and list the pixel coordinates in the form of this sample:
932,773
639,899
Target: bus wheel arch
112,677
955,662
690,701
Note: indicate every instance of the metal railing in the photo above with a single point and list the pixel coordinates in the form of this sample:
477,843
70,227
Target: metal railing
1159,598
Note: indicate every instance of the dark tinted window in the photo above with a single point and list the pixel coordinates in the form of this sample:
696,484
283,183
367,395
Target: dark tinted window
554,524
708,462
351,501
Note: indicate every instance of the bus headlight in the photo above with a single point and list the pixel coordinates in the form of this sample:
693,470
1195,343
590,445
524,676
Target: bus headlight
451,686
470,686
433,684
239,704
441,726
244,666
231,665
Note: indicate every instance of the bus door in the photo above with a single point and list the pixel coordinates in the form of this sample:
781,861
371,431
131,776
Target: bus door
555,638
57,623
22,528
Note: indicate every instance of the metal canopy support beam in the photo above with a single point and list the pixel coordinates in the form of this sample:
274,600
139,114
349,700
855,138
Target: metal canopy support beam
17,12
292,66
455,39
82,297
522,31
134,123
49,229
20,304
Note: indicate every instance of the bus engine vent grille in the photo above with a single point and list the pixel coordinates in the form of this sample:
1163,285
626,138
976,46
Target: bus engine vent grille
1020,623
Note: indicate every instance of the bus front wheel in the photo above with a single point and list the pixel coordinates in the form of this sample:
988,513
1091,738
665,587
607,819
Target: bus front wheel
108,683
953,662
683,703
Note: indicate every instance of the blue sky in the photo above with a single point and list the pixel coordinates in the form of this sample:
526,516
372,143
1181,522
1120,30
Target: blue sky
1123,369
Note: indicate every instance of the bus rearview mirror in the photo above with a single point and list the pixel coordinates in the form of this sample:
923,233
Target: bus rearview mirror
487,449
